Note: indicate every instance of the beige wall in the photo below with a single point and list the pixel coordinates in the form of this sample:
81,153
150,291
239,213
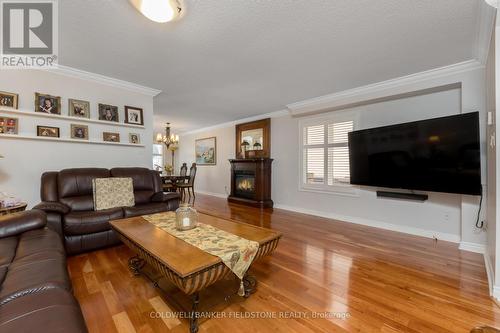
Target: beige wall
210,179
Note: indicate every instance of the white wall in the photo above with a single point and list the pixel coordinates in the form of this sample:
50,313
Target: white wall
440,215
26,160
491,207
446,216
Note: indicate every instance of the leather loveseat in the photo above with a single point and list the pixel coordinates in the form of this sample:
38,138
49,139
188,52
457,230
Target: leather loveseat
68,201
35,289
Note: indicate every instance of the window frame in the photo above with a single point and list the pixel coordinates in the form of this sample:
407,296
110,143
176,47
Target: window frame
344,189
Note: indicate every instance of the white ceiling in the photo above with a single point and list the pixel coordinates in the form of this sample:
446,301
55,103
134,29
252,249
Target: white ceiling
231,59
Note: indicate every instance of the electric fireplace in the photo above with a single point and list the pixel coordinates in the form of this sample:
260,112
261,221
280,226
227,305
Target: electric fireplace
251,182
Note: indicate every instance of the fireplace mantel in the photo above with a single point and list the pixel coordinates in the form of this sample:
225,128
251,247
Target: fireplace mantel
251,182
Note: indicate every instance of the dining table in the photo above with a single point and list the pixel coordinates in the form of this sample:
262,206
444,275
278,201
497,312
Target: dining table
170,181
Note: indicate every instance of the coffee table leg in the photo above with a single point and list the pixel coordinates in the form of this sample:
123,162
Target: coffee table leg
193,318
136,264
250,284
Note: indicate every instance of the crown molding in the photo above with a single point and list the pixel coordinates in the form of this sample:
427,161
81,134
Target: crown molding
101,79
484,30
274,114
384,89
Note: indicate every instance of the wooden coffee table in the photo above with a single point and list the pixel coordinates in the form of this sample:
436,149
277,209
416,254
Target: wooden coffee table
14,209
186,266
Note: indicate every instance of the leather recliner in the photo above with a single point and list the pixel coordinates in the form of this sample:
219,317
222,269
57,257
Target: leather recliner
35,289
67,198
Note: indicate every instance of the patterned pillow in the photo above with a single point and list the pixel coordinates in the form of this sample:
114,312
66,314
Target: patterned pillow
113,192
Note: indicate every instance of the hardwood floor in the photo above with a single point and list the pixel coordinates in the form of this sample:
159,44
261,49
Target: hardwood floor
363,279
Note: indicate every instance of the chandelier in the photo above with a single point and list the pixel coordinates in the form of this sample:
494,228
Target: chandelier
170,140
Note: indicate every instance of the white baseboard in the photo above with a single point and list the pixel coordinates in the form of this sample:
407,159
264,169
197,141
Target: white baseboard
490,274
472,247
213,194
377,224
496,292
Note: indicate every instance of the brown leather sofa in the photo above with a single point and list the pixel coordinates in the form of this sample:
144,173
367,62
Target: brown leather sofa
68,201
35,289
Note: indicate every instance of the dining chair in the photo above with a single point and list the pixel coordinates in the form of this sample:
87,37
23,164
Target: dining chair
189,185
184,169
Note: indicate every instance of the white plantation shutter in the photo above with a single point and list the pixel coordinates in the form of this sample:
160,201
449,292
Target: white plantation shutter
314,135
326,153
315,165
338,152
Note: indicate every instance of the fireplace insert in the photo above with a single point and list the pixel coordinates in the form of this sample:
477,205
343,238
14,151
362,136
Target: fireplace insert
245,184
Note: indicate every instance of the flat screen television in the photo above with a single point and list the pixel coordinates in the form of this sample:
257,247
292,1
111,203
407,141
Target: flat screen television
438,155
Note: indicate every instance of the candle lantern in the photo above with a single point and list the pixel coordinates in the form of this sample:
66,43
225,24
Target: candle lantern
186,217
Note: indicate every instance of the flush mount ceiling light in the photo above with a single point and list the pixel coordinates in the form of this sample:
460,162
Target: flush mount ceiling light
160,11
493,3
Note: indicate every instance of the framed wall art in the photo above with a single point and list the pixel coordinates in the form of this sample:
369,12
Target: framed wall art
206,151
134,115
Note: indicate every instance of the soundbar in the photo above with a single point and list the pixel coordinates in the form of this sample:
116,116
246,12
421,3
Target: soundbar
399,195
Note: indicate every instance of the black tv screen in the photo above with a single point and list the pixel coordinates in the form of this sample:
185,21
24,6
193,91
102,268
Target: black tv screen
439,155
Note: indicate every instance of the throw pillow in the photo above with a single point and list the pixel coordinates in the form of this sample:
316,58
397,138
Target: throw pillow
113,193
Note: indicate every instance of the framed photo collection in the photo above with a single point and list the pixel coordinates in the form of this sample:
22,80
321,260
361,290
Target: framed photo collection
108,112
111,137
134,115
134,138
47,104
48,131
9,100
8,125
78,109
80,132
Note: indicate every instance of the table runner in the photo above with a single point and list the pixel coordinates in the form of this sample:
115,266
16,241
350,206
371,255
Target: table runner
236,253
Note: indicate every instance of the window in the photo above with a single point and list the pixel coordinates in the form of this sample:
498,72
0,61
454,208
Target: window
325,153
158,157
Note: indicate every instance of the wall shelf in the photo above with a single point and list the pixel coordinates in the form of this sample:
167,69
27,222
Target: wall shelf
69,118
92,142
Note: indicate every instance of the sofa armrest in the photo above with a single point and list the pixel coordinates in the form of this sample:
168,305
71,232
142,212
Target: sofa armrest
170,198
53,207
165,196
17,223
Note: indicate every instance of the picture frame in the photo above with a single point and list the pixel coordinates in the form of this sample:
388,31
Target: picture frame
9,100
108,113
78,108
9,125
111,137
48,131
206,151
47,104
134,115
134,138
80,132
